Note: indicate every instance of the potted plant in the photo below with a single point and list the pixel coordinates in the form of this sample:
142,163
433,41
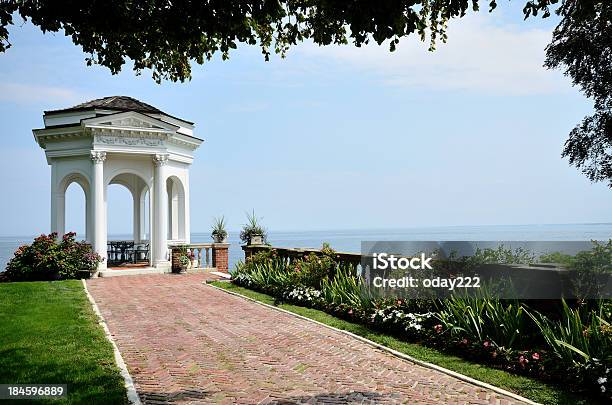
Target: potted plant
252,232
219,234
182,259
184,263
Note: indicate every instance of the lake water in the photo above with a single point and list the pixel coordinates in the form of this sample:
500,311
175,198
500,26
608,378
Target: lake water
350,240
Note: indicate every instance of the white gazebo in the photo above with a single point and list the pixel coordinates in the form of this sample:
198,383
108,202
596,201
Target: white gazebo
120,140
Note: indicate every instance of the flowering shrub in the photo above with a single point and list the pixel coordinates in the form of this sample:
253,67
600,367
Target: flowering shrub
48,259
243,279
603,375
263,257
313,269
528,362
265,266
303,295
410,323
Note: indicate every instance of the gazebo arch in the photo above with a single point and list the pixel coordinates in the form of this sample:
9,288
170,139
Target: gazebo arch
58,202
177,209
120,140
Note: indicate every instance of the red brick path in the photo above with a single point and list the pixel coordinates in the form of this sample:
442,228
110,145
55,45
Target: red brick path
187,342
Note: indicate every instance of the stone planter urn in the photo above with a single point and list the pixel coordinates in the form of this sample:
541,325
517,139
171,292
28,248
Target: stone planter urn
181,268
256,240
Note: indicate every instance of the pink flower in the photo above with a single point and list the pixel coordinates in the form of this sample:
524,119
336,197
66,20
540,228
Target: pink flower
486,343
523,361
535,356
464,341
494,354
438,328
350,312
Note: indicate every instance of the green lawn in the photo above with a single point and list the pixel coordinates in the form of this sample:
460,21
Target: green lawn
49,334
526,387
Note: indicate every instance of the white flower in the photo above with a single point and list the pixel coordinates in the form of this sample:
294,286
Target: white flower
602,380
603,389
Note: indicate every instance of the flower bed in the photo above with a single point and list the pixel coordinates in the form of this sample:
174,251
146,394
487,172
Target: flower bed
573,346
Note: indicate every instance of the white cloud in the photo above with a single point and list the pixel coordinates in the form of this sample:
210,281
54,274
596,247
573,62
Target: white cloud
31,93
478,56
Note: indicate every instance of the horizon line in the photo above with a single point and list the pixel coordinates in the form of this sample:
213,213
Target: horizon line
362,229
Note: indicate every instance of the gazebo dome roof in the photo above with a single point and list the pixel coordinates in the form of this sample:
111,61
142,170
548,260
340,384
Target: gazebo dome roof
118,103
116,116
106,106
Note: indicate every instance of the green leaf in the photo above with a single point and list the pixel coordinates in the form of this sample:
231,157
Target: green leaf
576,350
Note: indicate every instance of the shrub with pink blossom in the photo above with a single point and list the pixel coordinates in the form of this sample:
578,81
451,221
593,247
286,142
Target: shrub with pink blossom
49,259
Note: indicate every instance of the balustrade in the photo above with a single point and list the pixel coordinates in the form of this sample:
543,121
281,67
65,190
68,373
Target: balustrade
200,256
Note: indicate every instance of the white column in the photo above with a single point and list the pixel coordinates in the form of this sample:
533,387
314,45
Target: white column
160,216
89,231
146,234
98,205
171,235
58,204
186,226
136,216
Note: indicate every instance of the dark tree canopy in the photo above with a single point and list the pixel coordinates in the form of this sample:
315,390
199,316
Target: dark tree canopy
582,47
167,36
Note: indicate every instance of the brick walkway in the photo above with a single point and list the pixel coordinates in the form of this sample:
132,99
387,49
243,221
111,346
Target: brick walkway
187,342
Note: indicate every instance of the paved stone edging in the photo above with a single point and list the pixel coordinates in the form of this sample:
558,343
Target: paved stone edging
132,395
403,356
221,274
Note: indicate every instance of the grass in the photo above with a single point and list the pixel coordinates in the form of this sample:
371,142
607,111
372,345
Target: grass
535,390
49,334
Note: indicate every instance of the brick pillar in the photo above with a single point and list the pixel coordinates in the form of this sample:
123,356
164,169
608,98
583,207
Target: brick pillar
176,253
220,257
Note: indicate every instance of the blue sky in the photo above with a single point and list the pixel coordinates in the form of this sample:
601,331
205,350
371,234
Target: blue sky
331,138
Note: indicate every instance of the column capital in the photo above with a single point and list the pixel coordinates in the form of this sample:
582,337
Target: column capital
98,156
160,159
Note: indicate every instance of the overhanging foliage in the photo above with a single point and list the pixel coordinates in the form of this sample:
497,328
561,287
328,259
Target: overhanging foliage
166,36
